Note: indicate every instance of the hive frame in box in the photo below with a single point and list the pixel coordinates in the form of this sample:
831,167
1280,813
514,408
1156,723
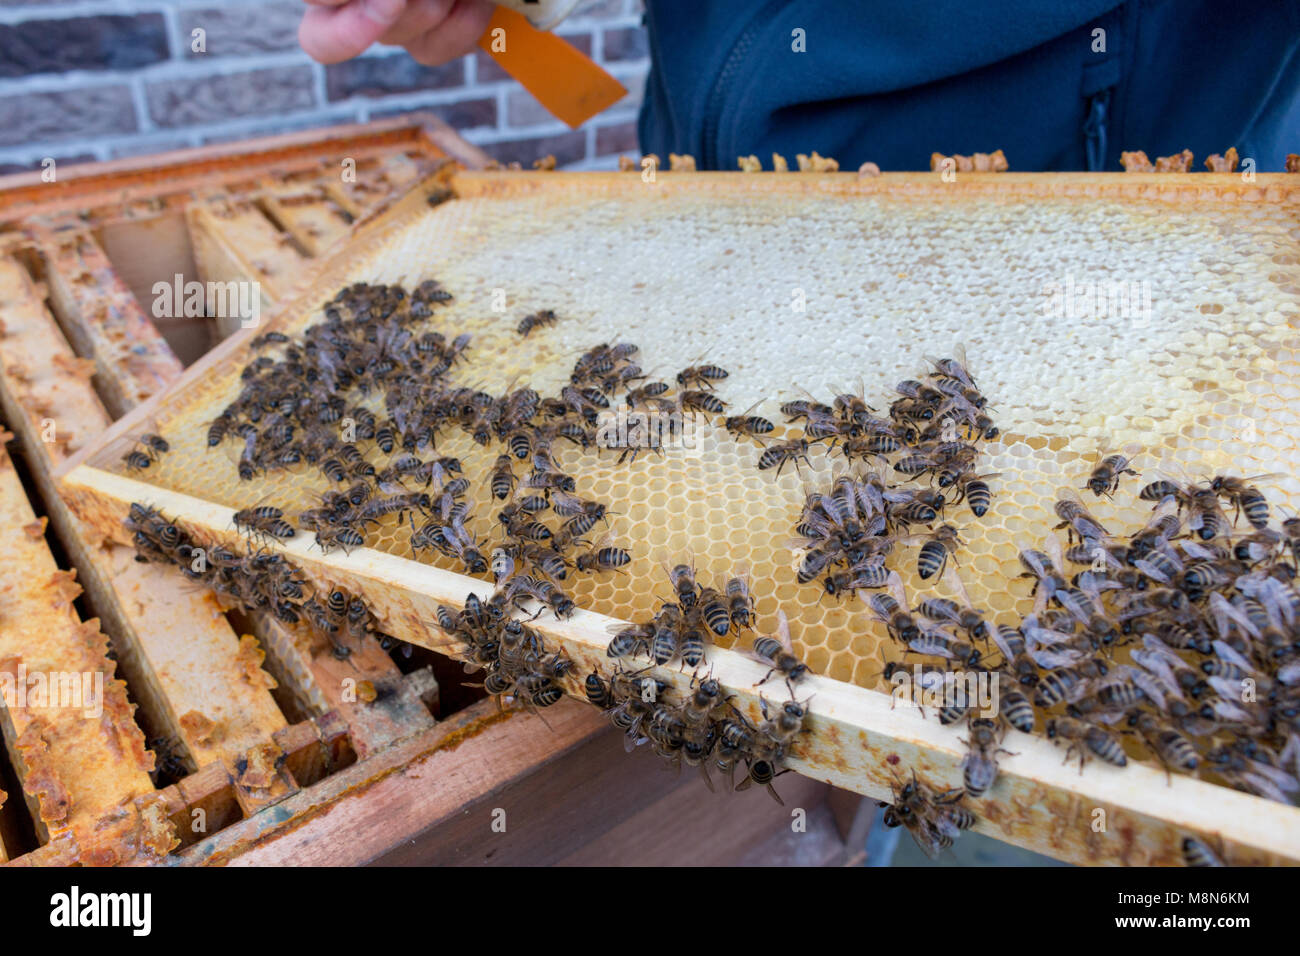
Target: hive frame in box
858,739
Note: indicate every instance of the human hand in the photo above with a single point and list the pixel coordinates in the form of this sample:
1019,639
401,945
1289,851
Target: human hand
432,31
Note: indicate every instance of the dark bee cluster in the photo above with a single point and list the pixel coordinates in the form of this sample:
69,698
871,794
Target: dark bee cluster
1182,637
145,450
934,818
260,580
313,406
848,531
687,624
513,654
702,724
698,726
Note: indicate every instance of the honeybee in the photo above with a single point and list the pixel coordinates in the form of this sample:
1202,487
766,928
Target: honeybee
536,320
1105,478
667,638
602,557
694,400
936,642
890,609
1170,747
747,424
763,772
264,520
714,610
503,477
1086,738
1075,516
935,550
644,395
740,603
870,575
776,456
1245,497
787,723
702,376
682,578
974,490
778,651
630,639
979,767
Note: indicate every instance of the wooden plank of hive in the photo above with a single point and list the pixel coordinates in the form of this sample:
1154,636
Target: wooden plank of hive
382,803
315,219
235,242
145,179
857,735
209,688
400,709
74,764
377,181
104,321
378,703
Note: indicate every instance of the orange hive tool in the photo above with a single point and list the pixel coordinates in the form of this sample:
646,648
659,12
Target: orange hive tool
564,80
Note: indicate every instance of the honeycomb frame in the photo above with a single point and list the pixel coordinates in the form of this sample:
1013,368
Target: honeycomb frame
858,738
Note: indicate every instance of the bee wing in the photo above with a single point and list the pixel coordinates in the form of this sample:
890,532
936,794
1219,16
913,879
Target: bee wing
750,410
896,589
1052,659
954,580
1225,613
1052,547
1227,653
783,632
926,838
1151,570
1145,682
1196,551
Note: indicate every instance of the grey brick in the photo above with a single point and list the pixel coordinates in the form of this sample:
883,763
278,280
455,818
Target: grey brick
580,41
375,76
81,113
487,69
239,31
461,115
617,138
218,99
626,43
565,147
82,43
522,109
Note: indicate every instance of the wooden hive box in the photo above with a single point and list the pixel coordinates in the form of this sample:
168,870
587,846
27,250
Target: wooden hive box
818,281
233,738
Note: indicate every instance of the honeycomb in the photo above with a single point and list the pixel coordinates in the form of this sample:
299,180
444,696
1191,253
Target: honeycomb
716,267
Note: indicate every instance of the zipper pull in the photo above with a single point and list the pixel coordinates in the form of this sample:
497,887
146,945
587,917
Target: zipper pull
1094,130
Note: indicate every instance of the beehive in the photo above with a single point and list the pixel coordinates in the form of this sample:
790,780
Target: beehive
825,282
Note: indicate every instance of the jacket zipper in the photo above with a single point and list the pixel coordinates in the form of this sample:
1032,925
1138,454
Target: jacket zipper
731,68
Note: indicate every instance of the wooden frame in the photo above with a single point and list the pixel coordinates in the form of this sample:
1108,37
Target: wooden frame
858,737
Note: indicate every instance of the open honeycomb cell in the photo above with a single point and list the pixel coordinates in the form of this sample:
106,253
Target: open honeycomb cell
712,268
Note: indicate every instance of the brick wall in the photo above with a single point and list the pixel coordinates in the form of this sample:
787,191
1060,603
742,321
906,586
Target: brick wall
99,79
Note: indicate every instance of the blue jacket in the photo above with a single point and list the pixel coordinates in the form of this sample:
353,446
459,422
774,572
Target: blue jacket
894,82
